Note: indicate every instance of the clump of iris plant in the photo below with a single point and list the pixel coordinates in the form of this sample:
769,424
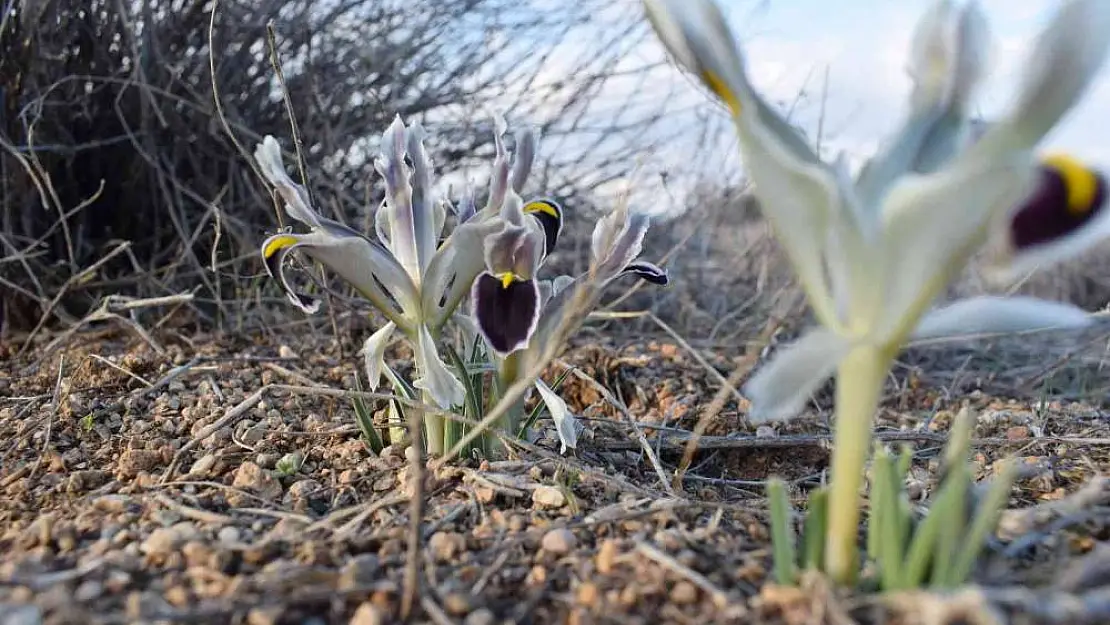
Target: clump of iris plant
874,250
419,276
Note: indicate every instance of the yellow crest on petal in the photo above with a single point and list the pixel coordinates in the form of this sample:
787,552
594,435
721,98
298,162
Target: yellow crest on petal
1081,182
277,244
721,89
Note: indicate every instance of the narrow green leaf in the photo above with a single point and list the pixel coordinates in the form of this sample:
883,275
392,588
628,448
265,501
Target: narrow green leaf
814,528
891,548
782,537
953,519
985,521
924,542
364,418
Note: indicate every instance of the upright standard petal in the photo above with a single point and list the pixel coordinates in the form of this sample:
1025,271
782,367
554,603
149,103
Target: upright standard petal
524,155
373,353
499,177
363,263
781,388
434,378
999,315
1064,61
565,425
399,199
1064,216
426,211
947,62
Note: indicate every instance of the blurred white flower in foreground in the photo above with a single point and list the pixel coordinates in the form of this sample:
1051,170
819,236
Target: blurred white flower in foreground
873,253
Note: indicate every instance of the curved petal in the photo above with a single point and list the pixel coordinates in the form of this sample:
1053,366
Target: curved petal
549,214
565,425
932,225
781,388
647,271
623,248
516,250
1066,215
373,353
434,378
363,263
506,311
1064,61
996,315
297,204
452,270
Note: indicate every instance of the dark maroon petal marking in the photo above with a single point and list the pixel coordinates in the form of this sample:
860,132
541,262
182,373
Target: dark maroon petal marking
506,316
1044,216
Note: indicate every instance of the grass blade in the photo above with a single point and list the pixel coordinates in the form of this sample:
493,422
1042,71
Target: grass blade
364,417
782,537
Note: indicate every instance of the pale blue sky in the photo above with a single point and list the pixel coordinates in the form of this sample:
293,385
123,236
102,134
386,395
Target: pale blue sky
863,43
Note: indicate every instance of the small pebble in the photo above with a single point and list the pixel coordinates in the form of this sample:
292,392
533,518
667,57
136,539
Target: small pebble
367,614
481,616
203,466
160,542
456,604
229,535
684,593
559,541
548,497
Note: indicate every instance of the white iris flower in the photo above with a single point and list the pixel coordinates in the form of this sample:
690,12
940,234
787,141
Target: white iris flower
873,252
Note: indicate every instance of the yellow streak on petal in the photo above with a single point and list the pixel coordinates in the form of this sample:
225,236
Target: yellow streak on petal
721,89
278,243
541,206
506,279
1080,181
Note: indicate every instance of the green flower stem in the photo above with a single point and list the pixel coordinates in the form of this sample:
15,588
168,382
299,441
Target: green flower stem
859,383
433,426
508,374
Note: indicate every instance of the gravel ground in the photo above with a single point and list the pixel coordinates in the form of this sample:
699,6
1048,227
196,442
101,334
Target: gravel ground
186,482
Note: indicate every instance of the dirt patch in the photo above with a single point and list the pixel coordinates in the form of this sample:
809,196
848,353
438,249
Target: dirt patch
127,495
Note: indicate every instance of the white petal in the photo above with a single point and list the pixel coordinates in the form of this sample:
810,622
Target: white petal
948,56
996,315
781,388
390,164
606,231
565,424
452,270
363,263
435,379
268,156
947,61
932,225
373,353
1064,61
